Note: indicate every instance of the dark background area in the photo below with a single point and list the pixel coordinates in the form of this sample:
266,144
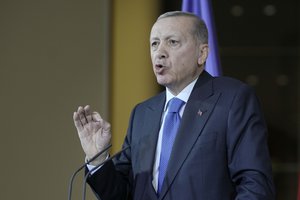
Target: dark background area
259,44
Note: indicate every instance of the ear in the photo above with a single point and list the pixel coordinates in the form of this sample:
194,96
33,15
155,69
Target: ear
203,53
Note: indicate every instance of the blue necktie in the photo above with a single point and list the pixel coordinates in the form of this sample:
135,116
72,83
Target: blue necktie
170,128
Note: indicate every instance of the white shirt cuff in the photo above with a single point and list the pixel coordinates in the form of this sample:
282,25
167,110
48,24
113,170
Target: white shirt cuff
91,167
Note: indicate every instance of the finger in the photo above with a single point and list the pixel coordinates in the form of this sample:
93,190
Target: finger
78,115
81,114
103,124
77,121
88,113
96,117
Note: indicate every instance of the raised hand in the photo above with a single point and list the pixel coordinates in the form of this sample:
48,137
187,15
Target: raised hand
94,132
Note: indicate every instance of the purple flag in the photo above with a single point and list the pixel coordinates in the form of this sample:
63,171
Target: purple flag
203,9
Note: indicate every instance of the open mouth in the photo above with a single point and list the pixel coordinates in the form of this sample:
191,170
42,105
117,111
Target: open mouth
159,69
159,66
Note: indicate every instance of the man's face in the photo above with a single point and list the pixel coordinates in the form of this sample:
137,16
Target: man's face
177,57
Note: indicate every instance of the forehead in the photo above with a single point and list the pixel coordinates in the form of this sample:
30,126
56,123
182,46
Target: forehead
176,25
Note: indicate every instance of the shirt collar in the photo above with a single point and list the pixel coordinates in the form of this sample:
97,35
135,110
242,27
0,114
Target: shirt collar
183,95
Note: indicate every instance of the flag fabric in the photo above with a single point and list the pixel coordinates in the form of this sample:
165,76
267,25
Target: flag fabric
203,9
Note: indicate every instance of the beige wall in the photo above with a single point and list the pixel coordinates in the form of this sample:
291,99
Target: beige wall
52,53
54,57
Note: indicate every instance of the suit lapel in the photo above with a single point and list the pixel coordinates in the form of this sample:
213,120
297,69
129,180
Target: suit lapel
147,146
197,111
151,130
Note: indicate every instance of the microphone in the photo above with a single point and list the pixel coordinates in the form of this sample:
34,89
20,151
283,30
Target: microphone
96,167
81,167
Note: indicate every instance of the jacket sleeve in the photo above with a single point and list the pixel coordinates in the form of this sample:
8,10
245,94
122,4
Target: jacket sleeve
114,179
247,149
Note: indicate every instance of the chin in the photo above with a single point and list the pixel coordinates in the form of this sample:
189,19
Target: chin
162,82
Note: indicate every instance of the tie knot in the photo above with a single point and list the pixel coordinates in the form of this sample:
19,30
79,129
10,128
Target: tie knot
175,105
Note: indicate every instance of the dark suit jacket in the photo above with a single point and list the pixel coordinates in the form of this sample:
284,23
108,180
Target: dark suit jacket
220,151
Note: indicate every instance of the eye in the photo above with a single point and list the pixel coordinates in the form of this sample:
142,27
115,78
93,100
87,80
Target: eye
173,42
154,44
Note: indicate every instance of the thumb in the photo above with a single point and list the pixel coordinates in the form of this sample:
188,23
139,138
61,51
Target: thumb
104,124
106,127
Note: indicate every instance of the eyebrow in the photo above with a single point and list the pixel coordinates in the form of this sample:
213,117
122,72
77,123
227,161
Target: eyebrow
165,38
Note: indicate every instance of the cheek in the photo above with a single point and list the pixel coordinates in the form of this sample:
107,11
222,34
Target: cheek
184,62
151,56
187,68
180,70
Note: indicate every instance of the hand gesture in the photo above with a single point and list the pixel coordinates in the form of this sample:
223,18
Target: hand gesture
94,132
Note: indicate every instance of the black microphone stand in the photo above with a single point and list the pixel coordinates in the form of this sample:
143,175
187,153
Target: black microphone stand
81,167
96,167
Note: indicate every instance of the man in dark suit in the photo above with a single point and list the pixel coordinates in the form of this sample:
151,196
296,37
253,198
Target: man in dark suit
218,150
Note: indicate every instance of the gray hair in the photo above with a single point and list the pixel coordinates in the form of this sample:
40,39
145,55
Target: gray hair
199,29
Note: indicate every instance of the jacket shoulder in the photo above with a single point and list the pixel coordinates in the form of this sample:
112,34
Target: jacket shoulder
226,84
152,101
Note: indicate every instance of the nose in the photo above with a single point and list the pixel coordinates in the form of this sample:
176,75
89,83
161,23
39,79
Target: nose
162,51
